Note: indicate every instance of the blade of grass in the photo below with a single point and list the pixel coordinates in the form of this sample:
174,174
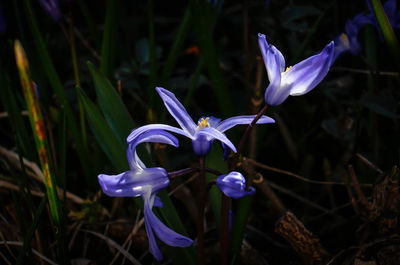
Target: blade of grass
152,57
203,29
184,256
62,153
42,145
108,141
176,48
387,30
110,102
310,36
239,226
108,47
15,117
32,228
193,83
55,82
89,21
214,160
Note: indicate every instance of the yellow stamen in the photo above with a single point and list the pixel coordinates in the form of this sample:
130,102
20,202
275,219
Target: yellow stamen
203,123
345,39
287,69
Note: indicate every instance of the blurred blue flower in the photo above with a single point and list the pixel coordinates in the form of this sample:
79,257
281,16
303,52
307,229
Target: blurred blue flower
393,15
3,25
347,42
296,80
233,185
146,182
52,8
204,132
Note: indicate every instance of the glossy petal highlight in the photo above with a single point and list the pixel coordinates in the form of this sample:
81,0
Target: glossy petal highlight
233,185
296,80
177,110
237,120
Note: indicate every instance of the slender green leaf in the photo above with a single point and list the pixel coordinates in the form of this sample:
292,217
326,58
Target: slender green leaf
110,102
32,228
176,48
214,160
387,30
184,256
306,43
204,28
55,82
152,56
239,226
89,21
104,135
42,144
109,45
15,117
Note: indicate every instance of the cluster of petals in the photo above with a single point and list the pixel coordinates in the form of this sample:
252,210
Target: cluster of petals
204,132
348,42
292,81
146,182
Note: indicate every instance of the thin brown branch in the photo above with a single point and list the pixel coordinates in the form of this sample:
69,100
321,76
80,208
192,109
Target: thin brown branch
288,173
369,163
264,186
363,71
298,197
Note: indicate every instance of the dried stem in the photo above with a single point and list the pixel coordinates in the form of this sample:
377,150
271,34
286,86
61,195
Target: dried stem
307,245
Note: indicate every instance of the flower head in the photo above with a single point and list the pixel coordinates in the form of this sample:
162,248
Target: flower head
146,182
296,80
347,42
234,185
52,8
393,15
201,133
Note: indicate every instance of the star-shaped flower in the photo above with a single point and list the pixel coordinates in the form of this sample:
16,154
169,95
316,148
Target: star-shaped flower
204,132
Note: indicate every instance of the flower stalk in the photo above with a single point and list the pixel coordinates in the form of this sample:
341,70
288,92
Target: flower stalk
201,181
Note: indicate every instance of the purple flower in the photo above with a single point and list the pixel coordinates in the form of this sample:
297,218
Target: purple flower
52,8
233,185
146,182
393,15
204,132
294,81
347,42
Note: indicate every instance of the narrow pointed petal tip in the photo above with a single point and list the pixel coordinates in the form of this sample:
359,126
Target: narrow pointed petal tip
177,110
306,75
260,35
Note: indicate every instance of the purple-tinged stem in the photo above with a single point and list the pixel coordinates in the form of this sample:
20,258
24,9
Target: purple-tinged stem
224,229
181,172
201,182
246,136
